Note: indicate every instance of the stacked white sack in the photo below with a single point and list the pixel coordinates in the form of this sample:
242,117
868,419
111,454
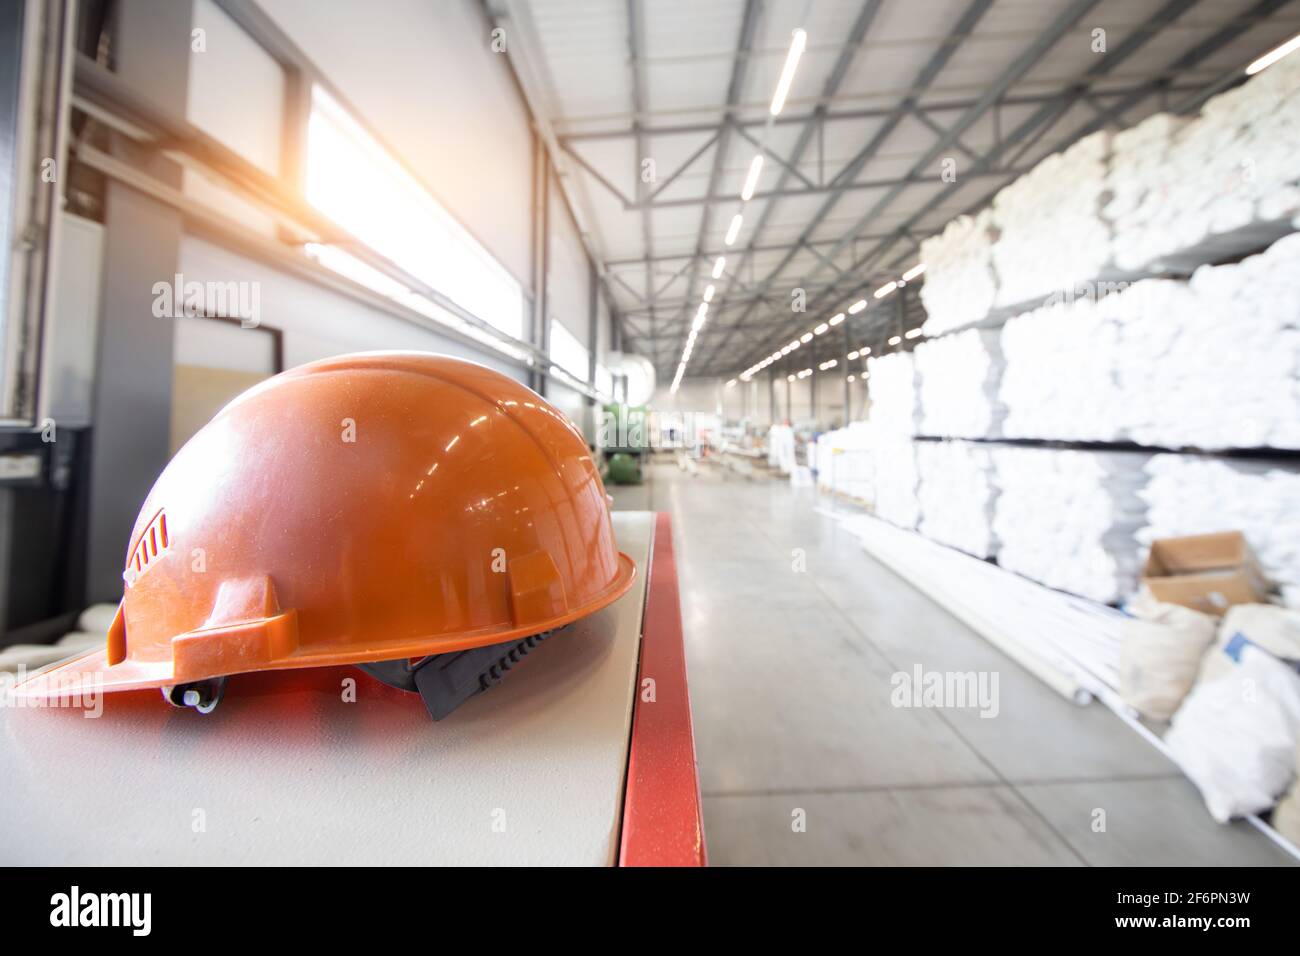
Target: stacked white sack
957,385
1188,494
892,381
1067,518
1050,232
959,285
1231,167
956,495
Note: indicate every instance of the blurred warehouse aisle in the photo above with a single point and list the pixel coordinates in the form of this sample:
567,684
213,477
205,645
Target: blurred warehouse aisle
791,689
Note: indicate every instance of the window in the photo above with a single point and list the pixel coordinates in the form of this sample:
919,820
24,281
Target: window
567,352
356,183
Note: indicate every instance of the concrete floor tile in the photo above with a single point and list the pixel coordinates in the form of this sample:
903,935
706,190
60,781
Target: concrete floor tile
782,698
1149,823
957,826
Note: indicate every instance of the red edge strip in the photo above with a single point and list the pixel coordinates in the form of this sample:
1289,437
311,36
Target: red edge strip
662,822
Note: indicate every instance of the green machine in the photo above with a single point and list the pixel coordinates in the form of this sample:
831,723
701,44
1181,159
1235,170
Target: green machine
625,436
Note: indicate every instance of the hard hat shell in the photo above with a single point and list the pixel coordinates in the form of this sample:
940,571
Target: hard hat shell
362,508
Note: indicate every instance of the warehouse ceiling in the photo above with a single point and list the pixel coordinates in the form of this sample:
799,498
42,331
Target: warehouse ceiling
886,91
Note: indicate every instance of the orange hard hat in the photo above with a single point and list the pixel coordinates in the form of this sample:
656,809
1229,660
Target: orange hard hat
398,507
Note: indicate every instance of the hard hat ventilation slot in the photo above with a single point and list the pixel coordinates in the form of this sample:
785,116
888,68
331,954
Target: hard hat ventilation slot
153,541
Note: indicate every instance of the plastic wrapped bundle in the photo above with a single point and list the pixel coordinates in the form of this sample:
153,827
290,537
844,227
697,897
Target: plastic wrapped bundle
896,480
959,285
1058,383
1189,494
1050,232
958,378
1213,370
893,393
1213,363
956,495
845,461
1067,518
780,448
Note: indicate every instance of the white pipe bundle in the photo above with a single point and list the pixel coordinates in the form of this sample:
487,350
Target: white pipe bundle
959,284
1067,518
896,480
1175,185
956,495
957,385
1189,494
1050,232
893,393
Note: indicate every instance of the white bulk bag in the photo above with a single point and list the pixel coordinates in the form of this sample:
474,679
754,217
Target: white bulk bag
1275,629
1236,736
1161,656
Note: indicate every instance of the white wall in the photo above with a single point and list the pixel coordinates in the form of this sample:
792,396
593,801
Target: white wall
423,77
317,322
569,289
700,395
236,89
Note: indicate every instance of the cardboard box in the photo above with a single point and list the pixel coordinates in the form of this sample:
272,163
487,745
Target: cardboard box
1206,572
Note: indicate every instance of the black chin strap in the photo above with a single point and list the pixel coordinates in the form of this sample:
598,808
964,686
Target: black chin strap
445,681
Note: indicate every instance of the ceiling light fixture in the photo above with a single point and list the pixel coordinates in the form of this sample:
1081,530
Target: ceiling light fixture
1269,58
751,180
734,229
798,40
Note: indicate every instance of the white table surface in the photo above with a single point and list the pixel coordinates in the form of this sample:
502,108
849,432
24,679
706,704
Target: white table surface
286,772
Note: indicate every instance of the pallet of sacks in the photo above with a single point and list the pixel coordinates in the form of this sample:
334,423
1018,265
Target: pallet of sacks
846,461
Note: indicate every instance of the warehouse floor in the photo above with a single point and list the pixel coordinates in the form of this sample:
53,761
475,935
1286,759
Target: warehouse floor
790,685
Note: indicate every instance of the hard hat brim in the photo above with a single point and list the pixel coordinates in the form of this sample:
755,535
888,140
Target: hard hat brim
90,671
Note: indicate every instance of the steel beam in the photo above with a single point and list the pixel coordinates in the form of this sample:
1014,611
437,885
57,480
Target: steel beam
938,60
745,42
1049,114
